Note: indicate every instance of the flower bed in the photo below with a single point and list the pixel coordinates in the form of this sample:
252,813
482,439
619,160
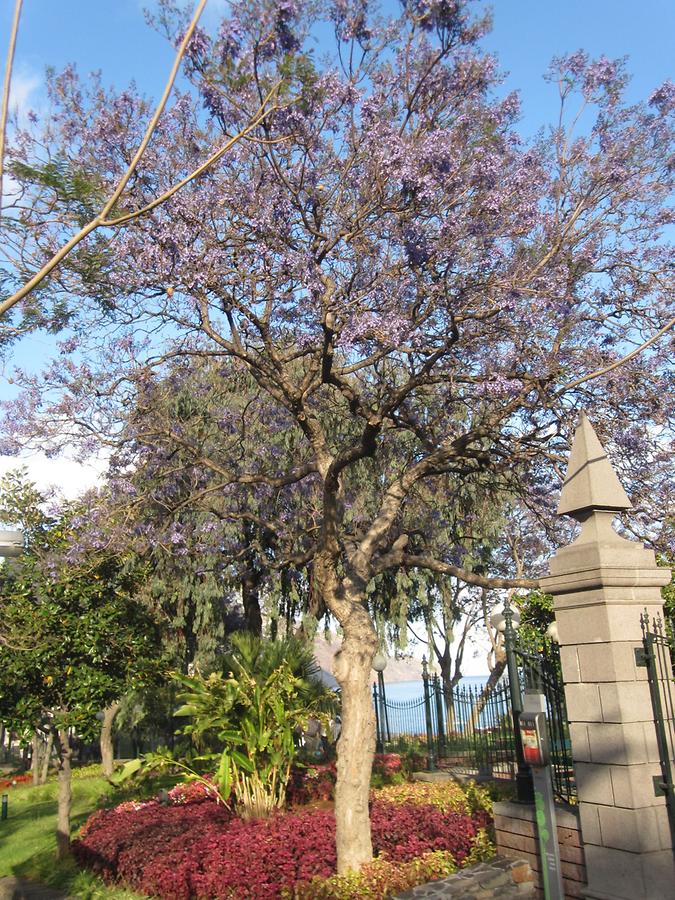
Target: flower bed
194,847
15,780
317,782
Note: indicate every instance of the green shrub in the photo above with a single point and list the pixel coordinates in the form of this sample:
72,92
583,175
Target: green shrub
379,879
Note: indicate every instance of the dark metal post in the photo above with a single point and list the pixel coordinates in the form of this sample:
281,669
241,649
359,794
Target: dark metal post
655,642
5,804
378,730
440,723
384,716
431,763
524,787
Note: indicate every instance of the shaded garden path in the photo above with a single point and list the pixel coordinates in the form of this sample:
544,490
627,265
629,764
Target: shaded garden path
20,889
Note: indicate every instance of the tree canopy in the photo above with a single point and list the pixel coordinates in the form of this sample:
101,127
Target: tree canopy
422,299
73,637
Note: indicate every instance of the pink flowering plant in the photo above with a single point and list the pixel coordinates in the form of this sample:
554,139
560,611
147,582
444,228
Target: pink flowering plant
180,851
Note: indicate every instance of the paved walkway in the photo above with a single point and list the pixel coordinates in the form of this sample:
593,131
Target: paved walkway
19,889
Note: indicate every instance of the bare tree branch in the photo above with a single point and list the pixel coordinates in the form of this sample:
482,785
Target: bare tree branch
397,557
5,90
619,362
100,218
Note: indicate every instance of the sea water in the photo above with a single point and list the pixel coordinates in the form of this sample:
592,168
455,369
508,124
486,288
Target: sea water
406,714
398,691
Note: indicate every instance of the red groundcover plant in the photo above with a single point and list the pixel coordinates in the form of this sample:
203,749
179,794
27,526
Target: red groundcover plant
198,849
310,783
14,780
317,782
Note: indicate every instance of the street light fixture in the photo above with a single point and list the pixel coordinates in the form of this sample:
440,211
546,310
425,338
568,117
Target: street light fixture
379,664
498,619
552,632
505,619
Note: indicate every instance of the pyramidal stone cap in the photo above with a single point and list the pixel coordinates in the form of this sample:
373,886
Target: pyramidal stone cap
590,482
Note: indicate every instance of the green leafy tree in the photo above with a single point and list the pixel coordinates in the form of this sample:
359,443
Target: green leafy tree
72,639
536,614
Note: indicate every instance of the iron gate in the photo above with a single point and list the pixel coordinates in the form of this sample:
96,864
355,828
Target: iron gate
658,655
471,730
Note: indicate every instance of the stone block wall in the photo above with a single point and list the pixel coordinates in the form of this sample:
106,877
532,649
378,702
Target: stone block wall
517,838
499,879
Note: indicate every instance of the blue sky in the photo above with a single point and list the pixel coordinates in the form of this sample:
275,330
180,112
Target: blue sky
528,33
111,35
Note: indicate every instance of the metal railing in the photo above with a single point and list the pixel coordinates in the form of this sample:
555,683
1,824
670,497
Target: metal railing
474,730
541,672
658,656
465,728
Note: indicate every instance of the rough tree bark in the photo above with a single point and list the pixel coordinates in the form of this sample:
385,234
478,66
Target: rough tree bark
35,758
65,793
46,759
356,745
106,741
250,585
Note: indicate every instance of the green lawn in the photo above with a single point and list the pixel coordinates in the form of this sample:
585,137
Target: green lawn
28,843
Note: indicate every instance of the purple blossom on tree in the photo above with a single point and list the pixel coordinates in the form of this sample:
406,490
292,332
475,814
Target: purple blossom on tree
392,298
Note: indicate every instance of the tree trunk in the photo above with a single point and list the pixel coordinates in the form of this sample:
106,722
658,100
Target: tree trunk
250,599
107,752
46,759
65,794
490,685
356,745
250,584
35,758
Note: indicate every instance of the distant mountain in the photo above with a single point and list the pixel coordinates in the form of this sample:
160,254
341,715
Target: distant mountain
397,669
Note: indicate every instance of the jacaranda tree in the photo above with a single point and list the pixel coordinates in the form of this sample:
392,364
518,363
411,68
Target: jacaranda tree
420,295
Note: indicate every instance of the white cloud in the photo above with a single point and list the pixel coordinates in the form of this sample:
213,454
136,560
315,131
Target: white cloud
66,476
25,91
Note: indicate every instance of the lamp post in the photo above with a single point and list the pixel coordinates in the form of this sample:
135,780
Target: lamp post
506,620
382,721
431,762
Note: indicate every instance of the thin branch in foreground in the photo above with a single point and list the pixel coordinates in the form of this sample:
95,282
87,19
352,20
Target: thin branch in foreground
619,362
5,90
100,218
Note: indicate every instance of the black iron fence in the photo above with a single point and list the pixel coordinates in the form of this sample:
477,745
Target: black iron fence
658,655
541,672
469,729
473,730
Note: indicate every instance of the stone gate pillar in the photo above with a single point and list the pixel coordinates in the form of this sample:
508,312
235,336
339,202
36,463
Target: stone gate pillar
600,584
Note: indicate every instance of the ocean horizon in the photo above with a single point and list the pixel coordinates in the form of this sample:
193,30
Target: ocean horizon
405,710
399,691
